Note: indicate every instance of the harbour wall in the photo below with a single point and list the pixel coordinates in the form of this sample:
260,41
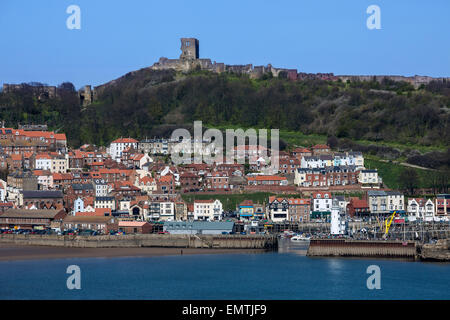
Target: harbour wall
268,242
362,248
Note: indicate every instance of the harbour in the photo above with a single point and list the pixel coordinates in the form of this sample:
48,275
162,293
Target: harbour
283,274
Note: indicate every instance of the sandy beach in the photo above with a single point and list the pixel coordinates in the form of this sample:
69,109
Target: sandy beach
25,252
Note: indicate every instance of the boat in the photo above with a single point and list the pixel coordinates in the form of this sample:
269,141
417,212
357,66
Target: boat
287,234
300,238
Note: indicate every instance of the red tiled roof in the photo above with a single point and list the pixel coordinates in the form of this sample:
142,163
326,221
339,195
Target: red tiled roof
62,176
265,178
204,201
132,223
322,194
321,146
359,203
99,212
16,157
166,178
291,201
125,140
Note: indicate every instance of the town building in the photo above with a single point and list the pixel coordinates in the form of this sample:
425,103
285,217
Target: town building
421,209
102,224
135,227
278,209
358,208
321,206
443,207
267,180
30,219
208,210
117,147
386,202
368,178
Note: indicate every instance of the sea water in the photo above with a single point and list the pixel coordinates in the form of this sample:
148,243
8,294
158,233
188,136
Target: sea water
286,274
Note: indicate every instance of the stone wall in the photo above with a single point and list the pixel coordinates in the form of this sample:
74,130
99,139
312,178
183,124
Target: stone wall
362,248
145,240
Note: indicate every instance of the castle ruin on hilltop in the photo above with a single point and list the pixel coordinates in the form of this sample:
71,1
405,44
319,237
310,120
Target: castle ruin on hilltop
190,60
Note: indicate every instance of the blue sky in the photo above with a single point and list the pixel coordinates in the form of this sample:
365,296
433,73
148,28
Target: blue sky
313,36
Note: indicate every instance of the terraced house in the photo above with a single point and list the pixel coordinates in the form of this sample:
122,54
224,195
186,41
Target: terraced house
386,202
420,209
208,210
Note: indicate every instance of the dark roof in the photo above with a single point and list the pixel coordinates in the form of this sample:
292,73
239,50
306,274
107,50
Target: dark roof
104,198
21,174
42,194
82,186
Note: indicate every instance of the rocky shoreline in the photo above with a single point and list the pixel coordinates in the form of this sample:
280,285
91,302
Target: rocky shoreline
438,251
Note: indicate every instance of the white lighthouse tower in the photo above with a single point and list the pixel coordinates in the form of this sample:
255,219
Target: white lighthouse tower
338,223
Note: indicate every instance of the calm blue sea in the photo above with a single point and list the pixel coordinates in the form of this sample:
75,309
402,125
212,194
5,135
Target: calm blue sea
287,274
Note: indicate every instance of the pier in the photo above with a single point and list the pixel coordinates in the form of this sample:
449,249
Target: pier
362,248
267,242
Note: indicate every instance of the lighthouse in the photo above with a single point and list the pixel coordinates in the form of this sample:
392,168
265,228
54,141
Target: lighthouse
338,224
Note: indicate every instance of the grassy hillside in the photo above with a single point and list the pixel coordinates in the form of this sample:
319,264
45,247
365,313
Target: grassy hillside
230,201
394,174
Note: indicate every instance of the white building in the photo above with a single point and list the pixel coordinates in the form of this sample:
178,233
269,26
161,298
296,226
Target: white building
420,209
44,178
314,162
43,162
105,202
278,209
119,145
209,210
101,188
322,201
167,211
369,178
3,186
78,205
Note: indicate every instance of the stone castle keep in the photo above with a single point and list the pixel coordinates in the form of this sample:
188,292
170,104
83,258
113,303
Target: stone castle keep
190,60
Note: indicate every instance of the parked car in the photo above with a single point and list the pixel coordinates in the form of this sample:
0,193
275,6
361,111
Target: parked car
87,233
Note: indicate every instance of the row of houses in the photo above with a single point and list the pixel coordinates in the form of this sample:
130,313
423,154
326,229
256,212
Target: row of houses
337,176
318,207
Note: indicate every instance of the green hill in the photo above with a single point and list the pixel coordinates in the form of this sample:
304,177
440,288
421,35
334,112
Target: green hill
389,118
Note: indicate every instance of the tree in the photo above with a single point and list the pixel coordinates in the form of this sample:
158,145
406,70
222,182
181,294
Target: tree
333,142
409,180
